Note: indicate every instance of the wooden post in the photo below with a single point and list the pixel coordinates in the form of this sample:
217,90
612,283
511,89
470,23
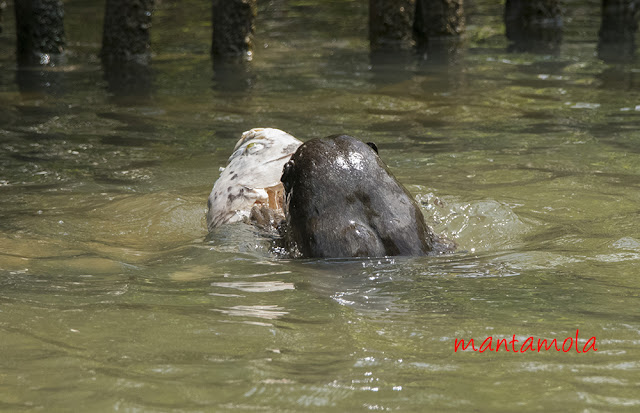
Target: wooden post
390,23
533,25
616,39
2,6
126,30
126,46
40,31
437,19
233,28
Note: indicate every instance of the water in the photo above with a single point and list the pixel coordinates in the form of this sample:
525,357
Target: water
113,298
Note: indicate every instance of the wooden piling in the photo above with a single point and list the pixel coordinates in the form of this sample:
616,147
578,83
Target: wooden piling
40,31
436,19
533,25
126,31
616,38
126,47
390,24
233,28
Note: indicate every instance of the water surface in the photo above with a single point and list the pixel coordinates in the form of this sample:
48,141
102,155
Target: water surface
112,297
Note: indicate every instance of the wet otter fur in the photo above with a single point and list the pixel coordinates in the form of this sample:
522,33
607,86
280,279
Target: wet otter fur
341,200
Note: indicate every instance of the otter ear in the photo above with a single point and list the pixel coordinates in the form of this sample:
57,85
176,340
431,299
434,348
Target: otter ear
373,146
286,175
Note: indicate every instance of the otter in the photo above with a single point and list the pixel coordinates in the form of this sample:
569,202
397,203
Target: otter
341,200
327,198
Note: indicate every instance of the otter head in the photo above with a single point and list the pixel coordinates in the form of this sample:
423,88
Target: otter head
342,201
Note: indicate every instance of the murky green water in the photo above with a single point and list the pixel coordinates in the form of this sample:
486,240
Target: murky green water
111,298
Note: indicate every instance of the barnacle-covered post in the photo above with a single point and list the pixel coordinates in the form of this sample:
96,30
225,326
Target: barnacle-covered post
616,39
533,25
126,45
437,20
2,6
40,31
233,28
390,23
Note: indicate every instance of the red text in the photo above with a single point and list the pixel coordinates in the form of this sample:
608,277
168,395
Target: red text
529,344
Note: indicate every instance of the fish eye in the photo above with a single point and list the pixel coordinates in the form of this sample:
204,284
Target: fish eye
253,147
